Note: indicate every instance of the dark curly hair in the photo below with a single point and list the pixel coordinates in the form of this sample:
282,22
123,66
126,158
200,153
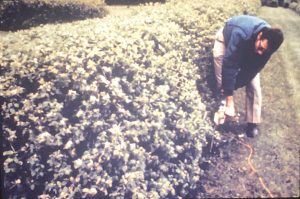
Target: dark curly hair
274,37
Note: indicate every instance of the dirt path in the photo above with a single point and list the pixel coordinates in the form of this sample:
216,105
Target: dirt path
276,150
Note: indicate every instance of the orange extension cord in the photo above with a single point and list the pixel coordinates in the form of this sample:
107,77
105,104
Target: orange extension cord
253,168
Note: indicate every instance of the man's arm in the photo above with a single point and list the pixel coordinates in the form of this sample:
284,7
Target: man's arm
231,61
230,69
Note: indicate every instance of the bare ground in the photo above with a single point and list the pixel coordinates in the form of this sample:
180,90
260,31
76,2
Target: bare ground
268,165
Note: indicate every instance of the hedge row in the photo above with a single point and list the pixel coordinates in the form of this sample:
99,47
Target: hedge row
24,14
292,4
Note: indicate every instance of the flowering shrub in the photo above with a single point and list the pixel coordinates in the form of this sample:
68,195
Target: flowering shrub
109,108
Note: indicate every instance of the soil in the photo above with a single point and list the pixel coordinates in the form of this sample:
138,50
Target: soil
267,165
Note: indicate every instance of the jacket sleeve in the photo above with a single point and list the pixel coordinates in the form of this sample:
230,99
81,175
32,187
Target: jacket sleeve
231,61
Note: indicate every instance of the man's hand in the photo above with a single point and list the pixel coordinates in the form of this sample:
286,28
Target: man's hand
219,117
226,111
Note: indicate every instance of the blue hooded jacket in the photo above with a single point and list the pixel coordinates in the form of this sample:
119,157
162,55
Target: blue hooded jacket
241,63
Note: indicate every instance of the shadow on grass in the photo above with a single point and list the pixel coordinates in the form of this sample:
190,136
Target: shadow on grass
20,15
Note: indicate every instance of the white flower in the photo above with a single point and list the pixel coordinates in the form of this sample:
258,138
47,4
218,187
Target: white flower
44,196
11,134
79,113
93,99
13,91
77,163
68,145
104,80
92,191
72,94
18,181
44,137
